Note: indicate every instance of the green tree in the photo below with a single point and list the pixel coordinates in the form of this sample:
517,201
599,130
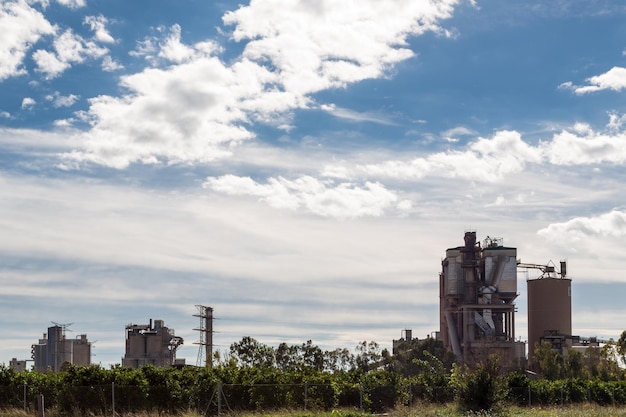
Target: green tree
621,347
574,365
550,361
433,378
368,355
339,360
251,353
408,354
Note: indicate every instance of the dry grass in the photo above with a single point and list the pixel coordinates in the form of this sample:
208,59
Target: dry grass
426,410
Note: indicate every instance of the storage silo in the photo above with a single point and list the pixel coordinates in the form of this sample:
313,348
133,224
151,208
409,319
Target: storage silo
549,312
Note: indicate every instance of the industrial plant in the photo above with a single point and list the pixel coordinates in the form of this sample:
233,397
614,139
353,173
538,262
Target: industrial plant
478,288
54,350
151,344
477,291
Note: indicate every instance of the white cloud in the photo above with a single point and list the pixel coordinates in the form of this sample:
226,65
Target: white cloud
320,46
5,114
452,135
72,4
175,51
110,65
344,200
204,105
614,79
188,113
348,114
69,49
486,159
611,224
506,153
581,145
28,103
59,100
98,25
22,26
169,48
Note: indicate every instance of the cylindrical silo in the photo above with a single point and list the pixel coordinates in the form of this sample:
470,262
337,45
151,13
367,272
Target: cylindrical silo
549,310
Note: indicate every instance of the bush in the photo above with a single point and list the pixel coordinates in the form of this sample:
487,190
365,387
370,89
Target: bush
479,389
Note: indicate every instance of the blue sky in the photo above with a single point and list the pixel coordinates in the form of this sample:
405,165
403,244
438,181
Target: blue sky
301,166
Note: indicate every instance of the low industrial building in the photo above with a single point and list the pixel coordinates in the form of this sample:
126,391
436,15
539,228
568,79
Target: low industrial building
151,344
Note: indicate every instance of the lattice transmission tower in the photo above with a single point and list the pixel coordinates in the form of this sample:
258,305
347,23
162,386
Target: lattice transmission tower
205,350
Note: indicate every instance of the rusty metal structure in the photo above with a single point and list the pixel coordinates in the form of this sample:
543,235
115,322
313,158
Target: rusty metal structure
477,290
550,308
205,350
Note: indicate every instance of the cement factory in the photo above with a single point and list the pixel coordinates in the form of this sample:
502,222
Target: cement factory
477,291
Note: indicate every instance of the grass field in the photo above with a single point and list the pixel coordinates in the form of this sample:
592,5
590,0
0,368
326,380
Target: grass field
427,410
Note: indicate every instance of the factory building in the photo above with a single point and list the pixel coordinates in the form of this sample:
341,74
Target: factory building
17,365
151,344
54,350
477,290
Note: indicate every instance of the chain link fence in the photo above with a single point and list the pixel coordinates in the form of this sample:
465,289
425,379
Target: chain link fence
217,399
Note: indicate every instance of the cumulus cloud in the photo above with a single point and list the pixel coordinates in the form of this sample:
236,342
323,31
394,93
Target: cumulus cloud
319,45
72,4
69,48
344,200
486,159
59,100
98,26
199,107
110,65
28,103
581,145
506,153
22,26
168,47
614,79
611,224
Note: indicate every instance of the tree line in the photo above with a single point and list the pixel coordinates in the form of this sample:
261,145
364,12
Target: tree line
255,376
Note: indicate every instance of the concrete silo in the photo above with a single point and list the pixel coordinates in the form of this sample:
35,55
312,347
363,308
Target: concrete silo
550,310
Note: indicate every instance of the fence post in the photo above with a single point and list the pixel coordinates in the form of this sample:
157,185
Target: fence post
113,398
219,398
529,400
361,397
40,406
25,397
306,392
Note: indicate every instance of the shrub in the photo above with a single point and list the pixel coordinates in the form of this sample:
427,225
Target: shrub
480,388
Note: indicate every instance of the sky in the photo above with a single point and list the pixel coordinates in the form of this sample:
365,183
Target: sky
301,166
